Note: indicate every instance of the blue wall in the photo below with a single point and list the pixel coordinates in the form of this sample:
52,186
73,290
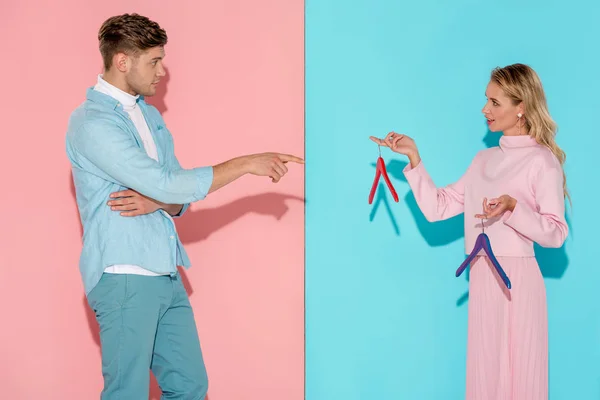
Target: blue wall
385,316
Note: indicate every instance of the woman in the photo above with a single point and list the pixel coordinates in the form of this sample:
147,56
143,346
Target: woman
517,190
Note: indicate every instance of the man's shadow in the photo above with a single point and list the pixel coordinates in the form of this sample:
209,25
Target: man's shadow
197,225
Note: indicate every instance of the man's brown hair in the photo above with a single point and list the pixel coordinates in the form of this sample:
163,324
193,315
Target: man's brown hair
129,34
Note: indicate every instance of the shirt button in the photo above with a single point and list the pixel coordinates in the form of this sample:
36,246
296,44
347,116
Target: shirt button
172,237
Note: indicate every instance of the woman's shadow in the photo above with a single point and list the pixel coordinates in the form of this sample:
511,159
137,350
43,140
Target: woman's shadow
197,225
435,234
553,262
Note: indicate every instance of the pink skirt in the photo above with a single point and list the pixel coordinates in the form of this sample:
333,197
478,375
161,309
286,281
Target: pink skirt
507,350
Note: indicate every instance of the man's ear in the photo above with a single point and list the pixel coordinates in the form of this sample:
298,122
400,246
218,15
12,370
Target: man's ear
122,62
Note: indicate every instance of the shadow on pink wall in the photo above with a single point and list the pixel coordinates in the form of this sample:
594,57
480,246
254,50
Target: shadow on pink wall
198,225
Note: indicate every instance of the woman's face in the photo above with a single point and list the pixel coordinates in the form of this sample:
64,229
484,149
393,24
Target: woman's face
500,111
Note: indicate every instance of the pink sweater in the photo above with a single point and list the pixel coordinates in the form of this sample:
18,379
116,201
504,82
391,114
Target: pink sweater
519,167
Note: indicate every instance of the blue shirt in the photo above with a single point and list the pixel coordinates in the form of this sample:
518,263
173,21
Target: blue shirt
107,155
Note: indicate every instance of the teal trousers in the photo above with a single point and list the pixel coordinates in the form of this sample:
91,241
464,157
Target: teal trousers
146,323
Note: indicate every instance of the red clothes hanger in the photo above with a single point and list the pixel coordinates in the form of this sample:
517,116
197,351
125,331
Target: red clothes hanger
381,171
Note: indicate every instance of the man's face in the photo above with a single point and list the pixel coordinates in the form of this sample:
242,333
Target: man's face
146,71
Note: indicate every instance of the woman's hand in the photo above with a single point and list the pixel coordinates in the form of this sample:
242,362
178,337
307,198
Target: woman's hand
496,207
400,144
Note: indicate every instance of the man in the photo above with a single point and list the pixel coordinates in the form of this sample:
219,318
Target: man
124,166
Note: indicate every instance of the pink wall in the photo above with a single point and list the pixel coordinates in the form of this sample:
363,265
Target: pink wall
235,86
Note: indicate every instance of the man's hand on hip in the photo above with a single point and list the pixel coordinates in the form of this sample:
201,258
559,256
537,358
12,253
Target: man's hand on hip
131,204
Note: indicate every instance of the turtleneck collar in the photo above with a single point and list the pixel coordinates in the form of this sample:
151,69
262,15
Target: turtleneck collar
128,101
511,142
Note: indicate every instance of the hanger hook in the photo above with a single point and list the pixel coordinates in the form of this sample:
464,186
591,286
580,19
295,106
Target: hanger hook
379,147
482,226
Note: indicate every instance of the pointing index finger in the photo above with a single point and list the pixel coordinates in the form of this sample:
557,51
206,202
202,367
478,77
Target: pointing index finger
289,157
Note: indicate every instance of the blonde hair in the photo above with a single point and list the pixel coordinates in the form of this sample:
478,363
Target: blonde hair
522,84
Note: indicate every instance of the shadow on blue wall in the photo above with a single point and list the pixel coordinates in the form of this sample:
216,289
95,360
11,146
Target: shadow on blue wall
553,262
381,197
